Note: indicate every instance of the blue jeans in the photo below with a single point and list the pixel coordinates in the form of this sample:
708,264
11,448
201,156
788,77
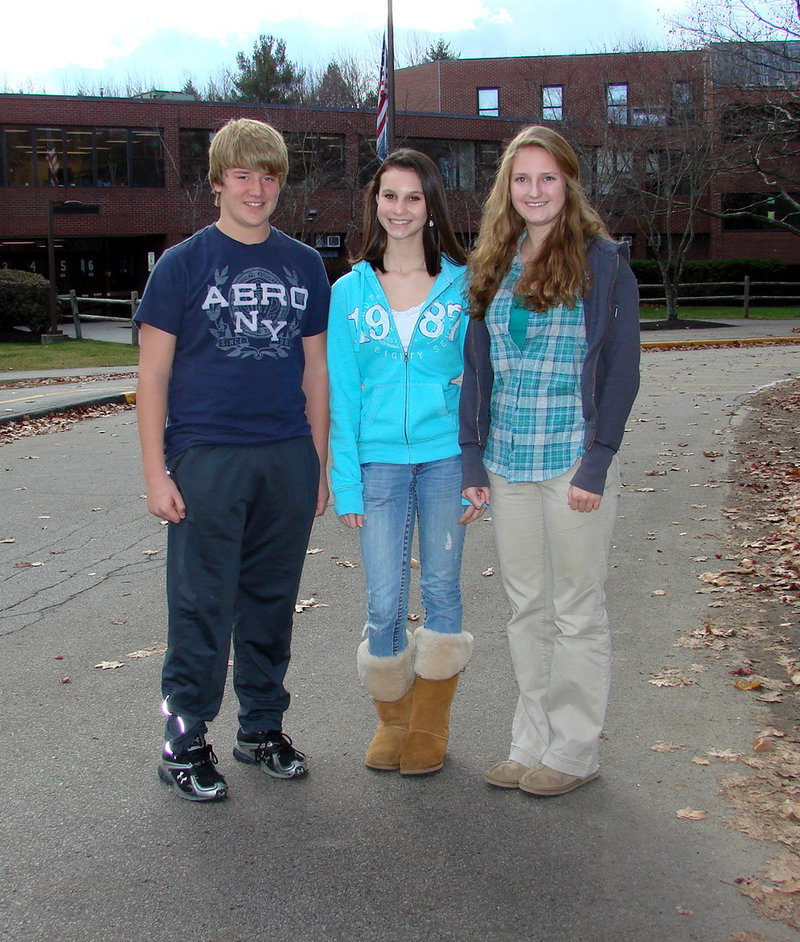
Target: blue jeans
394,496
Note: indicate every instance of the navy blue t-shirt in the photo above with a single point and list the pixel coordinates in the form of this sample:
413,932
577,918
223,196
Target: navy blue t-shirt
239,313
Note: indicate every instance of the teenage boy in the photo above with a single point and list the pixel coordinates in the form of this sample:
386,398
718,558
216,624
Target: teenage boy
232,404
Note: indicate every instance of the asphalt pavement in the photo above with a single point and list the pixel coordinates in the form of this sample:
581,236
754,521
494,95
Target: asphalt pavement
93,848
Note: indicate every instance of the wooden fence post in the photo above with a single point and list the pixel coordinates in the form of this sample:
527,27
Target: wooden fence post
746,296
76,320
134,328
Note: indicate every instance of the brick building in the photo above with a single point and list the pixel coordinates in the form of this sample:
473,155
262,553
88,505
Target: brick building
140,163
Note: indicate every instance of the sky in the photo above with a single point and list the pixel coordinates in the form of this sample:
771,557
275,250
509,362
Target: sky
162,44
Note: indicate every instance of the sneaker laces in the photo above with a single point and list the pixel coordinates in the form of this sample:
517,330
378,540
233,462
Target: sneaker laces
277,741
201,752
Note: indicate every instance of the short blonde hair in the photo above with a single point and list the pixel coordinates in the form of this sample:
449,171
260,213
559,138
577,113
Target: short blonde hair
249,144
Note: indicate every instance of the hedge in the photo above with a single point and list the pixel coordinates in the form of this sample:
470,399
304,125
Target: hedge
24,301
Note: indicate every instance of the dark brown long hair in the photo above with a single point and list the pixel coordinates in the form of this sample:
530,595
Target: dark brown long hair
558,274
437,240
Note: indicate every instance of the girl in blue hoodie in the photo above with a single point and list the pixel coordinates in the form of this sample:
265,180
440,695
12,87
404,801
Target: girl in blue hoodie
395,357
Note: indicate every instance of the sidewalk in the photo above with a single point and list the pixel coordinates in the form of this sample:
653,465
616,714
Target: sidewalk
101,385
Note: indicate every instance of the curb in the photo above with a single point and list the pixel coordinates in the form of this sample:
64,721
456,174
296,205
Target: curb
740,342
128,398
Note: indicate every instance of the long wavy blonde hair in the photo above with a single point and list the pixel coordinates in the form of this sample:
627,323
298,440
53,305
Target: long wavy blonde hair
559,273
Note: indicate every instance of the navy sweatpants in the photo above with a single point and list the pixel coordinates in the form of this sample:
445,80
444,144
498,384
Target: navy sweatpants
233,571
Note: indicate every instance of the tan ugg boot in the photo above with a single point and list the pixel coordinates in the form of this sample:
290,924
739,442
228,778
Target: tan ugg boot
440,658
389,680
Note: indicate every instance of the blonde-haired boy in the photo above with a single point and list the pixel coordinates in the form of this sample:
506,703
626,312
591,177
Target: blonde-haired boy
232,405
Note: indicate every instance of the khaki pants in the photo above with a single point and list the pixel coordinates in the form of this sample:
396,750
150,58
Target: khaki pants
554,563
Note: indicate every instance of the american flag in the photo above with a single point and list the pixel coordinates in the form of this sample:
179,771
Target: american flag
52,164
383,106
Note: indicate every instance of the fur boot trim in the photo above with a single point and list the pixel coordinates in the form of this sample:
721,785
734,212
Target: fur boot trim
439,655
386,678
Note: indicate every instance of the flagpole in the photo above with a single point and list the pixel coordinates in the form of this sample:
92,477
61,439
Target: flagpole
390,124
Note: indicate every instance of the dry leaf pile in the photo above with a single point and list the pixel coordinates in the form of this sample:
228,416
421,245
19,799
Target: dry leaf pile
755,621
60,422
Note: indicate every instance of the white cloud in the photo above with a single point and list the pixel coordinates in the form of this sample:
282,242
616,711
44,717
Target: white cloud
96,32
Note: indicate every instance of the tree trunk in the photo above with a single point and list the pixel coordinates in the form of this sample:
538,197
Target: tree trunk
671,296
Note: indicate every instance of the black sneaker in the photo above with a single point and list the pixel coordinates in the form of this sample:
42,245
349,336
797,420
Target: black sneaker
273,751
192,773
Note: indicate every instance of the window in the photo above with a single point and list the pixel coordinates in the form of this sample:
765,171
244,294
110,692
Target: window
613,168
617,104
489,102
552,103
19,156
79,158
368,161
751,212
681,103
49,157
316,158
193,164
112,156
648,117
147,159
464,165
487,157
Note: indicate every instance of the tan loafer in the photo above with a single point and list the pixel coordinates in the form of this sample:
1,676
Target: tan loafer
506,774
547,782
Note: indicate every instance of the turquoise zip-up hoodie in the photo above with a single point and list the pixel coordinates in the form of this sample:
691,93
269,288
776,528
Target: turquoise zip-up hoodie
388,405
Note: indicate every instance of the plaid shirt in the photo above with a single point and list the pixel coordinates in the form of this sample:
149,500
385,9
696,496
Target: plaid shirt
536,428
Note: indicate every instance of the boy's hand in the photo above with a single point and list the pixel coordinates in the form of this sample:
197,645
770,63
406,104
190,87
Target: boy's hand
323,496
164,500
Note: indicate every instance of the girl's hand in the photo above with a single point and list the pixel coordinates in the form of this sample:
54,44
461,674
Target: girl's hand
478,498
353,521
582,501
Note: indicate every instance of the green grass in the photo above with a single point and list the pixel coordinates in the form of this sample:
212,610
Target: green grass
700,312
68,354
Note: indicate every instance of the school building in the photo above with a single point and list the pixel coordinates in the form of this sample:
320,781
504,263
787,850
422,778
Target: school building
117,181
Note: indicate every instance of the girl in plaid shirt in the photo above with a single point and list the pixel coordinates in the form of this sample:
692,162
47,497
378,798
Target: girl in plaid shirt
551,372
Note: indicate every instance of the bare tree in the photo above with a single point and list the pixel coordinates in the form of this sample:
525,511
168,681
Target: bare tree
652,165
347,81
754,54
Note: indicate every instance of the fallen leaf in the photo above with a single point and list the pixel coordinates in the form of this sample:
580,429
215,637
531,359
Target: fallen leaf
699,761
313,552
671,677
488,572
762,744
346,563
689,814
27,565
658,592
414,563
8,539
159,648
149,552
109,665
304,604
748,684
662,746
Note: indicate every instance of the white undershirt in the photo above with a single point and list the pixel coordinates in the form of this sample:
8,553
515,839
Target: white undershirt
405,322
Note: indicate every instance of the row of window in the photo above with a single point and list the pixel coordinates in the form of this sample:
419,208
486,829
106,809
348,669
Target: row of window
48,156
134,157
618,110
